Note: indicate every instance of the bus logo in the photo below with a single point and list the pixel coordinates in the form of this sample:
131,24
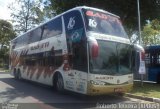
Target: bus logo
96,14
71,23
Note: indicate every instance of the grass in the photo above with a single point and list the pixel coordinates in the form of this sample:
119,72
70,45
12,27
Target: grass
147,90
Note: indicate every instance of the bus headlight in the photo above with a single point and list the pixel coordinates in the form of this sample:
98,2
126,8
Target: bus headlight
97,82
93,82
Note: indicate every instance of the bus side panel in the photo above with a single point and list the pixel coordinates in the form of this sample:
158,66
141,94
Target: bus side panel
76,81
31,64
76,77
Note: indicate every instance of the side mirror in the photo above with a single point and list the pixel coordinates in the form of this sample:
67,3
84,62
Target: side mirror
93,46
94,49
138,48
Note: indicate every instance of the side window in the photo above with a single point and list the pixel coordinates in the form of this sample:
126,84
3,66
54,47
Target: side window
35,35
15,43
25,39
52,28
18,42
76,40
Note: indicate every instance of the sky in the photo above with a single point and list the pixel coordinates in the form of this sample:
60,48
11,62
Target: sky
4,11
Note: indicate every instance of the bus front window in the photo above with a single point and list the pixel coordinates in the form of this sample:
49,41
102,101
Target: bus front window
104,23
113,59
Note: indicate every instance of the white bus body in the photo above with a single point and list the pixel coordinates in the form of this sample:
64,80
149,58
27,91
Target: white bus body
84,50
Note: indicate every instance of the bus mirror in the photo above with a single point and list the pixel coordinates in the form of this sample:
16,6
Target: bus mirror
94,50
138,48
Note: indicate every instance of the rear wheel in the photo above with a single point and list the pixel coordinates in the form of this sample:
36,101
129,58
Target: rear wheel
18,74
59,83
15,73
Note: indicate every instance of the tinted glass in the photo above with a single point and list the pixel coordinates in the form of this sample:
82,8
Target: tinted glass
74,26
152,57
35,35
25,39
103,23
21,41
76,40
113,59
52,28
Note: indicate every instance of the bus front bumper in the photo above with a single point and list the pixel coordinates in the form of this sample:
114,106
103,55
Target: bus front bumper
101,90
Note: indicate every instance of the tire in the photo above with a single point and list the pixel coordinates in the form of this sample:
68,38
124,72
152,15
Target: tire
59,83
18,75
15,73
121,94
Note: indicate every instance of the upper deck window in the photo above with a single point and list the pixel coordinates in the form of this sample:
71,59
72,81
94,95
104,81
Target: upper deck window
104,23
52,28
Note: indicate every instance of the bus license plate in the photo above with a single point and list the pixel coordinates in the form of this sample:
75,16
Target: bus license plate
118,90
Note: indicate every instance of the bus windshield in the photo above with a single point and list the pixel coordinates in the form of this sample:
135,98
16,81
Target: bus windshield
113,58
104,23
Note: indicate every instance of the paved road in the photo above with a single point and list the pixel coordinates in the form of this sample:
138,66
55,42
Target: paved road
25,94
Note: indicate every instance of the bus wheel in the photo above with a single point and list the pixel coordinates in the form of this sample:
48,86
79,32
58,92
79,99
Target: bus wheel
121,94
19,74
15,73
59,83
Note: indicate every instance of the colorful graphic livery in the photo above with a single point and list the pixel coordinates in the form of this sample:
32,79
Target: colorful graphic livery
84,50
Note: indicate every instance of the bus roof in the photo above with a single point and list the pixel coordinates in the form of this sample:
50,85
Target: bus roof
76,8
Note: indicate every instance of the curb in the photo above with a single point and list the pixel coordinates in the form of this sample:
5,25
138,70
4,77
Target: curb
156,100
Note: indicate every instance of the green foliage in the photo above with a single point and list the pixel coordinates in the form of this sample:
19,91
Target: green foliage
126,9
6,34
147,90
151,32
28,15
31,13
62,5
48,12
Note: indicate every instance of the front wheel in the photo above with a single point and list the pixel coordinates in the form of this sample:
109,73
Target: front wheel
121,94
59,83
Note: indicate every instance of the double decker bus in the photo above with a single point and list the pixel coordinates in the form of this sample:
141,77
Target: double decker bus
84,50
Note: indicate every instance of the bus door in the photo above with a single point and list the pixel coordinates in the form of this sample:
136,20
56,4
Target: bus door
77,52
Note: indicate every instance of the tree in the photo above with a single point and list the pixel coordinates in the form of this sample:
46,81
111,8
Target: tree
47,10
28,14
151,33
6,34
126,9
